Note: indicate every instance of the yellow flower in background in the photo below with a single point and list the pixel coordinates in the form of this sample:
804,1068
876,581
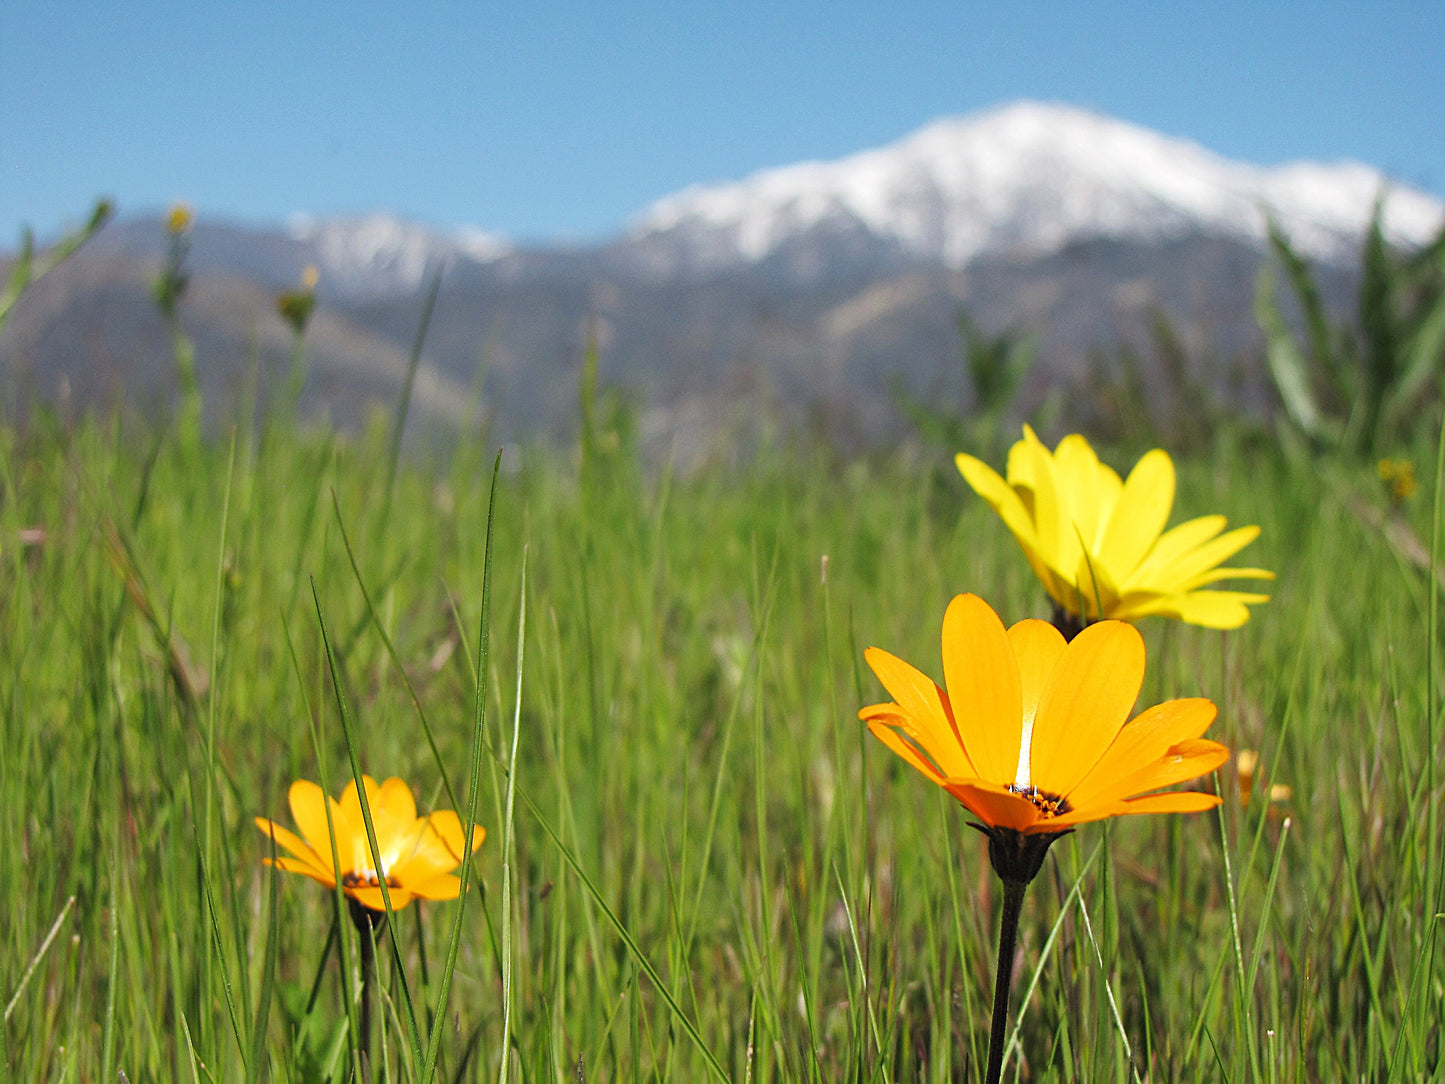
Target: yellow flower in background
179,218
417,854
1098,543
1399,478
1031,733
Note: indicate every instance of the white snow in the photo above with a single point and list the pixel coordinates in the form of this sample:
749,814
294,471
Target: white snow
379,253
1027,178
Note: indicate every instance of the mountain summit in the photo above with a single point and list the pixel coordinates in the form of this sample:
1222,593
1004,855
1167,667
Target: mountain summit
1023,181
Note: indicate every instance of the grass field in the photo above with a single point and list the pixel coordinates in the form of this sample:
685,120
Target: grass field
709,870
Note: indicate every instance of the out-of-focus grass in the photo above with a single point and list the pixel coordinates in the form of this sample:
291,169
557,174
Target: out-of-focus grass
690,770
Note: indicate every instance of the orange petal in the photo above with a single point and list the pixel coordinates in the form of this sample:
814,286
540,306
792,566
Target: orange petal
1093,687
996,806
1188,759
1037,646
297,846
923,702
1139,745
445,887
393,814
435,849
1174,801
882,726
371,897
308,810
982,677
301,866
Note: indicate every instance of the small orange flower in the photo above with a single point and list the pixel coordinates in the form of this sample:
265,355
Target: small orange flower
1030,734
417,853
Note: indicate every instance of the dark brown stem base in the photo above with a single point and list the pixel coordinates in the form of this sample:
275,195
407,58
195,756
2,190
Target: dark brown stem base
1013,902
368,923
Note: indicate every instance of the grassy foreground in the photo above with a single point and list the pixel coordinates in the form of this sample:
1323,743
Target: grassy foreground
710,871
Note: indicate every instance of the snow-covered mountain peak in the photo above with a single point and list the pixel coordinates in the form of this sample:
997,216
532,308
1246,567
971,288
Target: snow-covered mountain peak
382,254
1028,178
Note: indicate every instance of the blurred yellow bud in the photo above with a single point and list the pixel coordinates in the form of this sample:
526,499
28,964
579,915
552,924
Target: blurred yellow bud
1399,478
180,217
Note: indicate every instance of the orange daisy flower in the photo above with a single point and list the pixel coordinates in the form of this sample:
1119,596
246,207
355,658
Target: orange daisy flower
1032,733
417,855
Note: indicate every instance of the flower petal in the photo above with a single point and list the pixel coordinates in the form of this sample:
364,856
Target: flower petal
1140,514
303,867
308,810
435,848
1173,801
1006,501
1037,646
1088,490
1093,687
320,866
371,897
1189,759
1209,609
393,815
1140,745
1176,574
1031,464
882,724
996,806
445,887
982,676
927,708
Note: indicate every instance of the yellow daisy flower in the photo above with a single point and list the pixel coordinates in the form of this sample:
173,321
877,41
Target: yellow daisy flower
1029,732
417,854
1098,544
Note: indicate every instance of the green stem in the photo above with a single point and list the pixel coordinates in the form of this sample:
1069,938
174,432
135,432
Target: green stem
1013,904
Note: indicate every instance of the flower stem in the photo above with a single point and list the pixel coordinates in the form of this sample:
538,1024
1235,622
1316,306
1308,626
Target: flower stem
1013,902
367,922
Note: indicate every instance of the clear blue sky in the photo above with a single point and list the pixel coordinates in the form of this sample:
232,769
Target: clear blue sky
558,120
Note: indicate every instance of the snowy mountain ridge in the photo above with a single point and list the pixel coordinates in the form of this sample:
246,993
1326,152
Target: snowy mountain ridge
382,254
1028,178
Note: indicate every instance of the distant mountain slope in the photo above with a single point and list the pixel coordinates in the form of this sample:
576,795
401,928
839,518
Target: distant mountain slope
810,294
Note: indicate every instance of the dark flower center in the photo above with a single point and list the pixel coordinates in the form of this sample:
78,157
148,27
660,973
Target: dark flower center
1050,805
366,879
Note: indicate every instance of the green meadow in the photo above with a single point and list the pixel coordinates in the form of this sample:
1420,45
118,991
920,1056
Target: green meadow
698,865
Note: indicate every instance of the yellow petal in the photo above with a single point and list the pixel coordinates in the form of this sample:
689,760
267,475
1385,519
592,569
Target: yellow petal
920,698
1087,701
982,677
1139,515
1009,505
1205,557
1213,609
1140,744
1087,490
1058,539
1175,542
